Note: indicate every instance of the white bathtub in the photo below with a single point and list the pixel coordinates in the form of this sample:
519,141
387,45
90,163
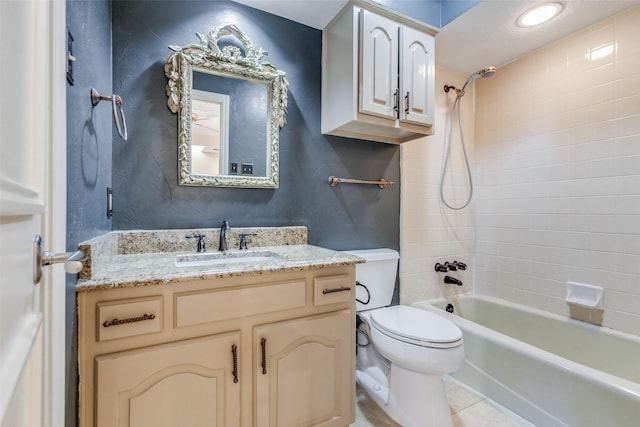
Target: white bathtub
549,369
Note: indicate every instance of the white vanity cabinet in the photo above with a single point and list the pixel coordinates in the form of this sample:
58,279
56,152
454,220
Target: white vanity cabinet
377,76
275,349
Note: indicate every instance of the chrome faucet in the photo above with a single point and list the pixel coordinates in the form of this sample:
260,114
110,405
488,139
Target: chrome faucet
223,235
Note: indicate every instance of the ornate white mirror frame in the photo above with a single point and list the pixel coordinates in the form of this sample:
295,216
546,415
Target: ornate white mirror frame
229,61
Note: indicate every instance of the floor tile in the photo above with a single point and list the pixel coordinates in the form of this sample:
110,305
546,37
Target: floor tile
468,409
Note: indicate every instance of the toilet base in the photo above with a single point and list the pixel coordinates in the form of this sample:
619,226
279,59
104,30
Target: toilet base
412,399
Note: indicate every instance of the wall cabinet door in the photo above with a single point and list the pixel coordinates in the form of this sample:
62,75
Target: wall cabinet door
379,65
417,82
397,66
304,370
185,383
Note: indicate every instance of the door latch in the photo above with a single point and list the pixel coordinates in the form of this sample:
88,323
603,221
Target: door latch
73,261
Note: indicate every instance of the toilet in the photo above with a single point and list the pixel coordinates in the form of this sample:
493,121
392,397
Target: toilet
402,352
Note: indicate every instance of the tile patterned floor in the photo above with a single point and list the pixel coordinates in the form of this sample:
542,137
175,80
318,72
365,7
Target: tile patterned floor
468,409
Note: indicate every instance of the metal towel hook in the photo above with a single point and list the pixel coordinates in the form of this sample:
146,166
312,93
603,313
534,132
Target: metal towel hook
115,100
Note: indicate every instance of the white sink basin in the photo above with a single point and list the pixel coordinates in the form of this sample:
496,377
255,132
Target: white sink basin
223,258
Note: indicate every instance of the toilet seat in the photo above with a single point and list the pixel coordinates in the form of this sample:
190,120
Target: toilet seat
415,326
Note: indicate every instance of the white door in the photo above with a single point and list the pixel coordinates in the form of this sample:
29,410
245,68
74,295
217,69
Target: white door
32,200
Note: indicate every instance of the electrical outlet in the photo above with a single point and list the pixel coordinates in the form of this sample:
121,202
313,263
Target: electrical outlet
247,169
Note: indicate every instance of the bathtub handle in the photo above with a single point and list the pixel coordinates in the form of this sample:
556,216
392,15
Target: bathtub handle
460,265
441,268
451,266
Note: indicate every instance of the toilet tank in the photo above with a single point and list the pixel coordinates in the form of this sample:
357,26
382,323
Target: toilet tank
378,274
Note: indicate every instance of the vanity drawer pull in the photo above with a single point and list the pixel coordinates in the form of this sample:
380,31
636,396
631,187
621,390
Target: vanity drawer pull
128,318
116,322
334,290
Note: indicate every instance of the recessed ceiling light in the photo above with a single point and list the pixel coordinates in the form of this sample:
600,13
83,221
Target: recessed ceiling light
539,14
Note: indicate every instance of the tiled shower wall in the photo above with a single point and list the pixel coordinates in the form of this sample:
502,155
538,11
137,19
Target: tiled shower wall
430,233
558,174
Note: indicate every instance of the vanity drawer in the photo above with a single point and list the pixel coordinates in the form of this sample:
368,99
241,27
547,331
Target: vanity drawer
333,289
194,308
127,318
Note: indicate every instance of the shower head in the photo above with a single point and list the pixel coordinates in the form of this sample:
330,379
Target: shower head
485,72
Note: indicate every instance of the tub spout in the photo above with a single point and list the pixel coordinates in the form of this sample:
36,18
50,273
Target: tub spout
452,280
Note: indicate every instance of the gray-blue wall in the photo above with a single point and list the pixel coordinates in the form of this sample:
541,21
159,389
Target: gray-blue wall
146,193
88,153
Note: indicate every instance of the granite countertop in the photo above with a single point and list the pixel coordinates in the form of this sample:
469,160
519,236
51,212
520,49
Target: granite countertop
141,269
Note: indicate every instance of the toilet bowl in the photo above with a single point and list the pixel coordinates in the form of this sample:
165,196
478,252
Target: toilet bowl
402,352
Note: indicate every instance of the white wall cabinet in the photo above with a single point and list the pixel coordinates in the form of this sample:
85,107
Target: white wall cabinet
378,76
269,350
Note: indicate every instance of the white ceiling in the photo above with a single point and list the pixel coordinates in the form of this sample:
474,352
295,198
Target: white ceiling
485,35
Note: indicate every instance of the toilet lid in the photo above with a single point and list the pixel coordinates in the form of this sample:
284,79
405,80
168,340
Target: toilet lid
416,326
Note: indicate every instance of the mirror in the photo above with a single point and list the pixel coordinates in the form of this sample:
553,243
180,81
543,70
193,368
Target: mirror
231,105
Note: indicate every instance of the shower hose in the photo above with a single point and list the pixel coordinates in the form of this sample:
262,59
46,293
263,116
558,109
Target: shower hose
447,152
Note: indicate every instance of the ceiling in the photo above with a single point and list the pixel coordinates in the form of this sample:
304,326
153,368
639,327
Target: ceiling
487,33
484,35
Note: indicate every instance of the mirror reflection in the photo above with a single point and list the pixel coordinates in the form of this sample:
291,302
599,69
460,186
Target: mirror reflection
231,105
248,129
209,133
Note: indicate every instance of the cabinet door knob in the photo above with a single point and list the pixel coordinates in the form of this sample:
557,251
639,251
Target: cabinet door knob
263,344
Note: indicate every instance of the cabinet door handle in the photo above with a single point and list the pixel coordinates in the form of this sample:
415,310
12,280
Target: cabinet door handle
406,103
234,355
396,103
334,290
263,345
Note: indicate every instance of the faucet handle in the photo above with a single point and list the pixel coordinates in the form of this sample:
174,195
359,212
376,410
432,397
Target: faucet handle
201,242
460,265
243,240
451,266
441,268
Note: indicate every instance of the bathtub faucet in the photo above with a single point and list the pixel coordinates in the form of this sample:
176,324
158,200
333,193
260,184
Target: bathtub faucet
452,280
